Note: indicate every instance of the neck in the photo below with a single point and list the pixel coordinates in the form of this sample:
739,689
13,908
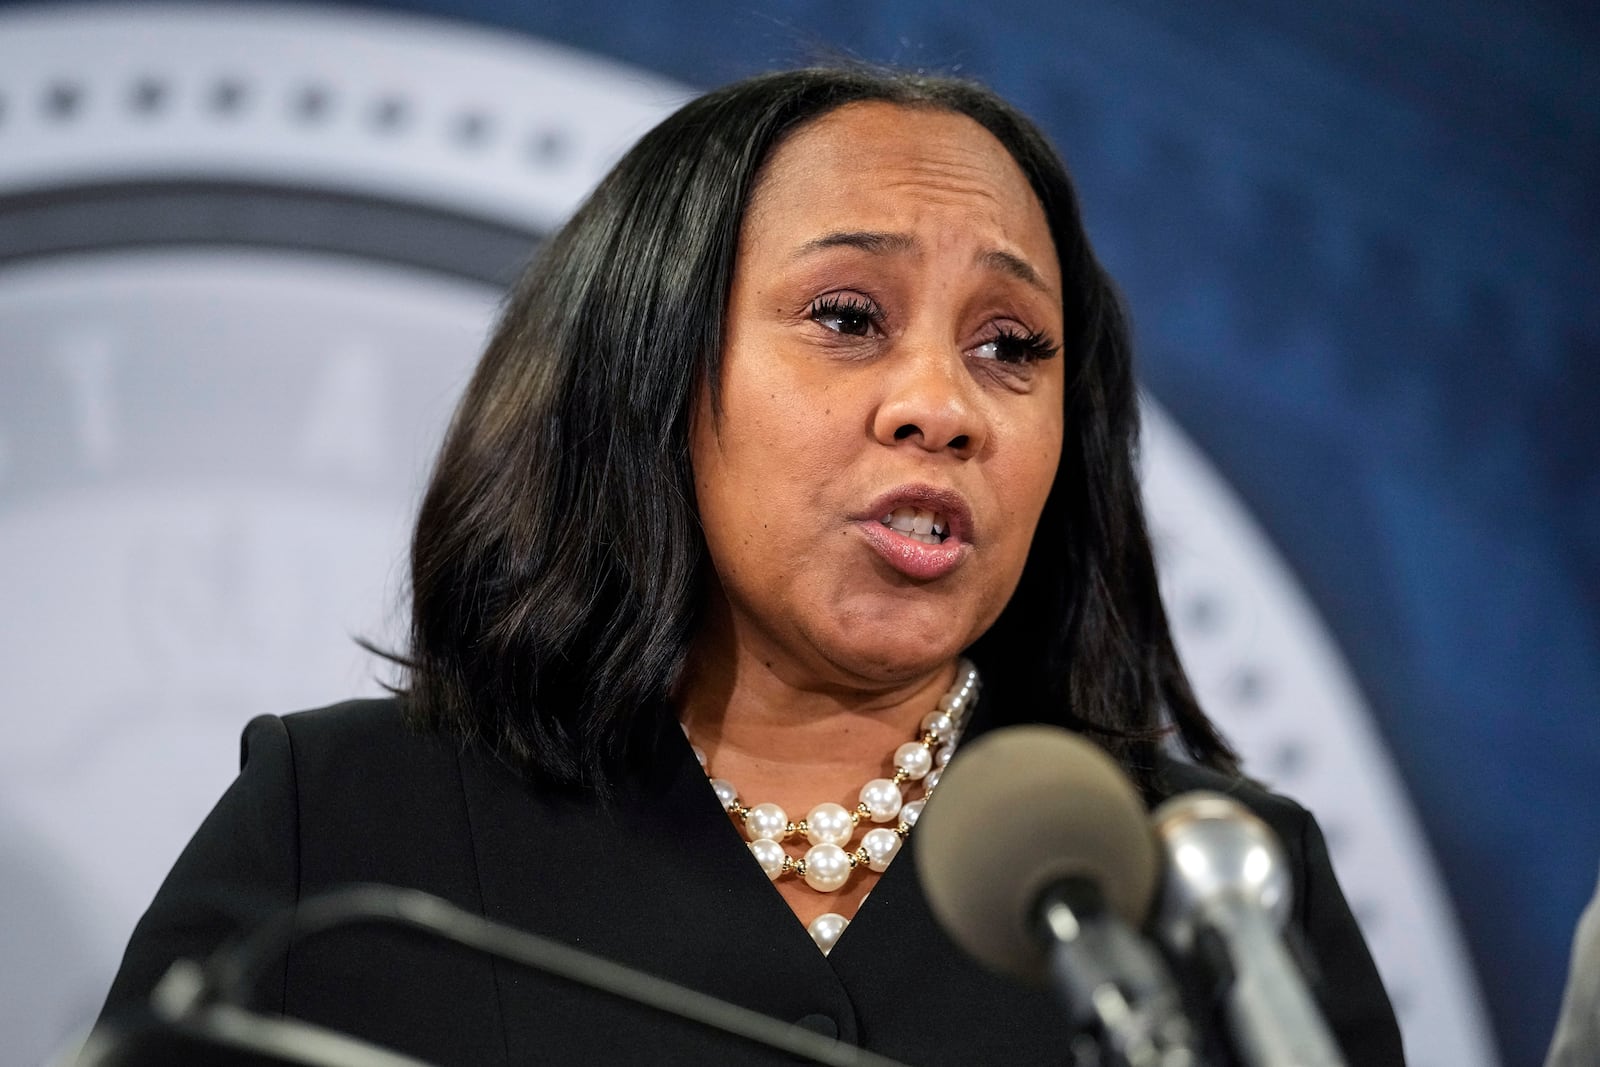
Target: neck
796,736
794,753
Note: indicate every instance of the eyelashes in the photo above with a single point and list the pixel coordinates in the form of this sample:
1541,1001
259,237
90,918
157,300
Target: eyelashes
852,315
1013,347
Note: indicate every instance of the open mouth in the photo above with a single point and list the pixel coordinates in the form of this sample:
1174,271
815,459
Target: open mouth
919,524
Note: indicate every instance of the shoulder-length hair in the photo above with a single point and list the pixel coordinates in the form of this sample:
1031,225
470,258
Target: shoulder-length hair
558,566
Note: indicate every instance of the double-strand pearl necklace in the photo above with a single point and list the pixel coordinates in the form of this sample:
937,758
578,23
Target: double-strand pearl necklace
827,864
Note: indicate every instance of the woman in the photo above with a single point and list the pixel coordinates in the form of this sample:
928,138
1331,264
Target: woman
820,391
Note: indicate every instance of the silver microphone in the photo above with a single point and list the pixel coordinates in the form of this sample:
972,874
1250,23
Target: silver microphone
1228,883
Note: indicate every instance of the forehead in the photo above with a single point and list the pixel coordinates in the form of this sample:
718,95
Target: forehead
875,165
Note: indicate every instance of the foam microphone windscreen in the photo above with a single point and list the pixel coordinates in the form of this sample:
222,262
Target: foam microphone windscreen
1017,811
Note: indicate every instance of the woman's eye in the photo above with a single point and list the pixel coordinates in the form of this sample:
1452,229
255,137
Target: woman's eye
1011,346
850,316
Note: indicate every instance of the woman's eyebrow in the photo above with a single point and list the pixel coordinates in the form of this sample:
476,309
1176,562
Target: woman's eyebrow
866,240
1014,265
881,243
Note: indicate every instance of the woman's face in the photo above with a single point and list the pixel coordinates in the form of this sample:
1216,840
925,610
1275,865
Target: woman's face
891,352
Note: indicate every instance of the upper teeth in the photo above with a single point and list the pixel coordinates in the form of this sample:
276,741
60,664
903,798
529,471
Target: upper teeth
918,522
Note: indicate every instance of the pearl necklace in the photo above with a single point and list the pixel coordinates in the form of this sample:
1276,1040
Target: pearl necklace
829,827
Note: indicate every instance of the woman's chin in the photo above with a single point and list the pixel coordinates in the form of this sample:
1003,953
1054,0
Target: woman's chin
892,639
893,657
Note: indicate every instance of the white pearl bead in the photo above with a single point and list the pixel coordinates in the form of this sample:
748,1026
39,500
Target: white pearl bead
882,798
952,703
914,758
825,930
699,754
939,724
912,812
880,845
932,780
942,756
827,867
829,824
769,854
725,791
766,820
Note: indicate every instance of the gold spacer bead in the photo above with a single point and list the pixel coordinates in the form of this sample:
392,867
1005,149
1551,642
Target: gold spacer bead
899,776
859,856
855,816
903,830
799,868
738,809
851,856
862,809
796,827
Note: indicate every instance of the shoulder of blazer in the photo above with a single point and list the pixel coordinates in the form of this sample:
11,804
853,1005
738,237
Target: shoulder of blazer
355,742
375,799
1287,818
375,802
374,725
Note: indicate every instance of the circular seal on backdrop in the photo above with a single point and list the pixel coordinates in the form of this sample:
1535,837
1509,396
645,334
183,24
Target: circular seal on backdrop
247,259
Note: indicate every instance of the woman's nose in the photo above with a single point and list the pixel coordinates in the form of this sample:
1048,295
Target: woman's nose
929,404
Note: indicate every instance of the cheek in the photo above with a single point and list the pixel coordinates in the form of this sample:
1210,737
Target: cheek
787,433
1028,480
766,482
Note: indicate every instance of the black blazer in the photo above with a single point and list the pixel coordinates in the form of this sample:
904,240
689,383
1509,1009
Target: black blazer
660,881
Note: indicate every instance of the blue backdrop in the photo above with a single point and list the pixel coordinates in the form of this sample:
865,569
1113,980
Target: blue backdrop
1359,244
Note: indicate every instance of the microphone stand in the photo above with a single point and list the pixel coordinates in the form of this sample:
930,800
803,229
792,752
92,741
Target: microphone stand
207,1003
1112,984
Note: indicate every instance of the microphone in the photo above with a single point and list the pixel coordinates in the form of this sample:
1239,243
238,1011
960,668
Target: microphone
1036,857
1226,899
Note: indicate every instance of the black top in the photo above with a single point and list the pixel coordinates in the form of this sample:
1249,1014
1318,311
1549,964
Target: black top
660,880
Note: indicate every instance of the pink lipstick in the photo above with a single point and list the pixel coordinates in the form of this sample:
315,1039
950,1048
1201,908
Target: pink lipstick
922,531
